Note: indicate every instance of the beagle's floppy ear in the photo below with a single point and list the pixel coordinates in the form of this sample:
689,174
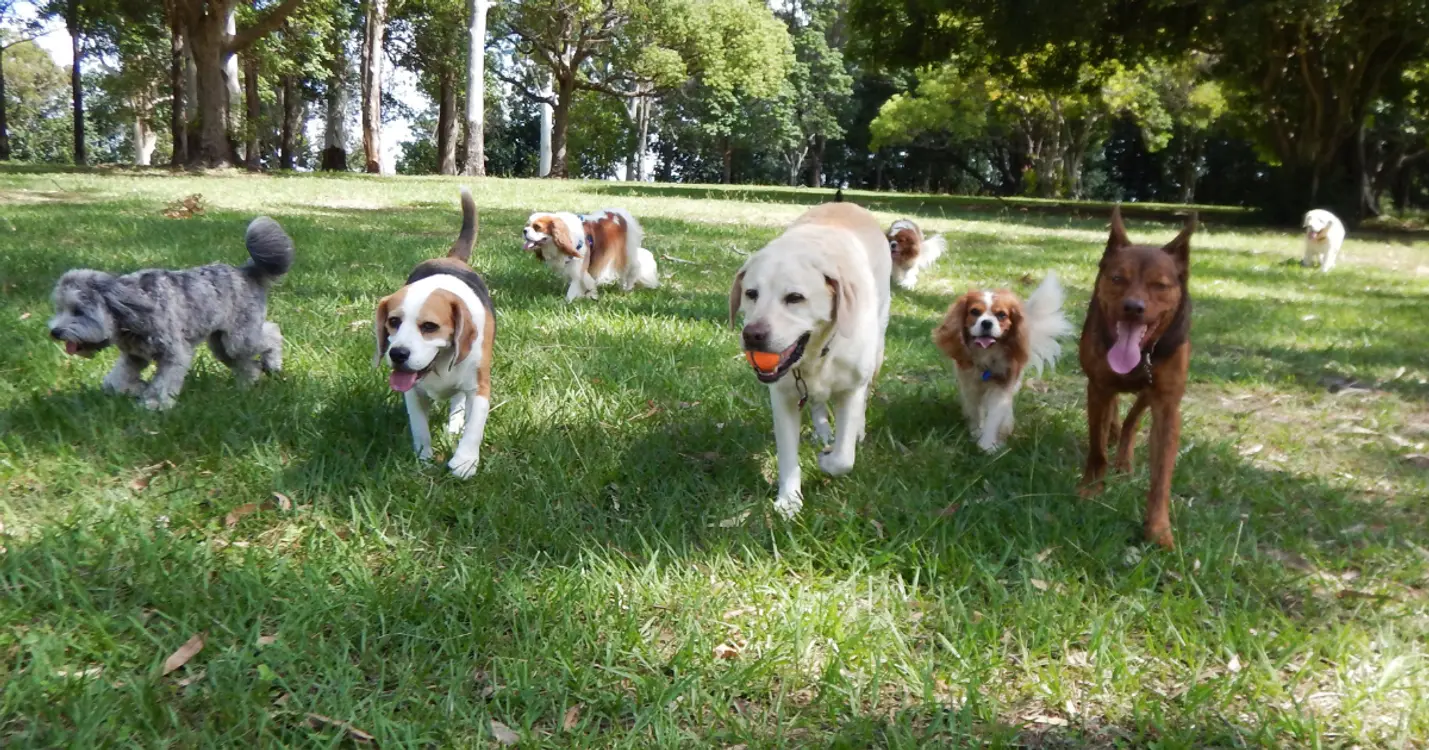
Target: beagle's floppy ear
463,331
379,326
948,335
736,295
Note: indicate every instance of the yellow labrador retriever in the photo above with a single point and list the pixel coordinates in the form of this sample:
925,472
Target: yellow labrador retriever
815,305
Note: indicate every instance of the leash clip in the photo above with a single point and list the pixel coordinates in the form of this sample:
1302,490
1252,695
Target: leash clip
801,389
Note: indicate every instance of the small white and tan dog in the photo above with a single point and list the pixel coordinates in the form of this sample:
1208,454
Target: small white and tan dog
815,304
436,334
911,251
992,338
592,250
1324,234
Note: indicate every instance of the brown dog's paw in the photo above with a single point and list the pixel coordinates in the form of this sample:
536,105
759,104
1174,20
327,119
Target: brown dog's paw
1121,466
1161,536
1090,488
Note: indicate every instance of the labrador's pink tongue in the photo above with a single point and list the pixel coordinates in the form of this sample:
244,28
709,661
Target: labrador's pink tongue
71,347
1125,355
402,381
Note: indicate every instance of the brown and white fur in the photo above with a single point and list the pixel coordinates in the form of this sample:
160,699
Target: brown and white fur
818,296
993,338
911,251
436,334
592,250
1324,234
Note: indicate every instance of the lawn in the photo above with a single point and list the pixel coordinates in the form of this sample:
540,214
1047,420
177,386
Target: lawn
613,575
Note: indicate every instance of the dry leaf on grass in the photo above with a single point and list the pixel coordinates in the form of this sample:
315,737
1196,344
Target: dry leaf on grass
1290,560
181,657
356,324
146,475
950,510
649,412
234,516
267,640
320,722
728,650
186,207
572,718
503,733
877,527
734,520
191,679
1044,554
282,502
1039,584
1234,665
1054,721
83,673
24,316
1079,659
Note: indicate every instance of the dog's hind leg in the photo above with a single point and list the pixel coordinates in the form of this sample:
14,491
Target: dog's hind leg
172,368
1164,443
1126,442
848,412
1101,413
127,377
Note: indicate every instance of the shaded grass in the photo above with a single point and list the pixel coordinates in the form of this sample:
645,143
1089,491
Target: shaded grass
598,558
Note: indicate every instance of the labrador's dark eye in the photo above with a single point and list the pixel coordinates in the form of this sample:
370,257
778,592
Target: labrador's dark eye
394,322
752,294
793,298
428,327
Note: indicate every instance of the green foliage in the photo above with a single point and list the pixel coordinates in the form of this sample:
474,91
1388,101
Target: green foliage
37,106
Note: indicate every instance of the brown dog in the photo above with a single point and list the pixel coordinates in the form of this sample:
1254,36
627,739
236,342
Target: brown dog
1137,339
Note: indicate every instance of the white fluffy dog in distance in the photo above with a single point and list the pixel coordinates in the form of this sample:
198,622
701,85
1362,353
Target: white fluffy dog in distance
1324,233
815,305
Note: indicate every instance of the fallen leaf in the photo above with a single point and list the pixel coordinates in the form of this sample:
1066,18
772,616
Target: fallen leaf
320,722
181,657
1079,659
734,520
356,324
282,700
734,613
1044,554
282,501
146,475
878,527
267,640
503,733
950,510
185,208
572,718
84,673
1234,665
24,316
191,679
237,514
1038,583
1251,450
650,412
727,651
1054,721
977,617
1290,560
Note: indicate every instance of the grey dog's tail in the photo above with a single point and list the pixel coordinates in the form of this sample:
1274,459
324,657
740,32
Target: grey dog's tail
461,249
270,249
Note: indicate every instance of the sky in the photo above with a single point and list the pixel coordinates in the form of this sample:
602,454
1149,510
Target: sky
402,84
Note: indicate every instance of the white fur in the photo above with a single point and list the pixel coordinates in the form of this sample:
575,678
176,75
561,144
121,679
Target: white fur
932,249
452,381
640,267
800,261
1324,234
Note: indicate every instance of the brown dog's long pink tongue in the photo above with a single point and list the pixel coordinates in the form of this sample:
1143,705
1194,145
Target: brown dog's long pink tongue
1125,354
402,381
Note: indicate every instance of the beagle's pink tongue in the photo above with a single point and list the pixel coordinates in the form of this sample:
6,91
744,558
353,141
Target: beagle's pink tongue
1125,354
402,381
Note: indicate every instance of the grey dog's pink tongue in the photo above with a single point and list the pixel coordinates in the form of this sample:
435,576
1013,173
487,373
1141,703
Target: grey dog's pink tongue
402,381
1125,354
71,347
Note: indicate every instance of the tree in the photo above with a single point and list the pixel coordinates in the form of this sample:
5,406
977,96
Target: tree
476,88
212,45
7,40
628,48
819,85
374,28
429,38
37,111
1170,100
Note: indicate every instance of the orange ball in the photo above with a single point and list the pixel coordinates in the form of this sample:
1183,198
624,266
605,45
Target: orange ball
763,361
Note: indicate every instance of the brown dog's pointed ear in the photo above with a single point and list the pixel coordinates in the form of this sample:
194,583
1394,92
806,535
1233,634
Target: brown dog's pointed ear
736,294
1118,238
464,333
379,326
1180,247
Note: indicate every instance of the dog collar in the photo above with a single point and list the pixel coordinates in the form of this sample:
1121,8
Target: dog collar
799,386
987,375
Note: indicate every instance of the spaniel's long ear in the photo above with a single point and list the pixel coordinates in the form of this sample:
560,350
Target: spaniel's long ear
1118,239
379,327
736,295
1180,248
464,331
561,237
948,336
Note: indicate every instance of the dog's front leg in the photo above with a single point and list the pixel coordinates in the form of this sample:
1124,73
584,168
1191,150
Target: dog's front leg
1329,261
848,411
170,371
417,405
1101,410
127,377
1126,441
997,422
468,449
1165,442
786,447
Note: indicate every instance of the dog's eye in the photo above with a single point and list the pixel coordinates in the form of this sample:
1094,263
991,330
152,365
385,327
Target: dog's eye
1002,316
793,298
1118,279
394,322
752,294
974,312
428,327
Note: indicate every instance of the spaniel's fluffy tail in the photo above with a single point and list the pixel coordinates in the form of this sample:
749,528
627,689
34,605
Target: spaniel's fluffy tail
933,248
634,235
1045,324
270,249
466,239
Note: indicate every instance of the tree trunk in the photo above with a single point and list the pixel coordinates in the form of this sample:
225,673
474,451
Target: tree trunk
193,129
4,124
179,93
446,122
205,39
76,82
376,26
726,175
816,162
292,118
642,136
334,156
230,75
253,147
145,139
560,124
544,166
1190,168
476,89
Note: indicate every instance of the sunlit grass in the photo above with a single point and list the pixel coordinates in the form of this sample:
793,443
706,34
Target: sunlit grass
614,560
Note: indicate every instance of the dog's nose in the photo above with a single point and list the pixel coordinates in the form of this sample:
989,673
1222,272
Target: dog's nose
399,355
987,325
756,336
56,334
1133,307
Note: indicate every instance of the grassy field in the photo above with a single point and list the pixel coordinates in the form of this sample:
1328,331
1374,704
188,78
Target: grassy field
613,575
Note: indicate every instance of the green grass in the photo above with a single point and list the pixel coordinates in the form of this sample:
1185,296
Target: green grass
618,531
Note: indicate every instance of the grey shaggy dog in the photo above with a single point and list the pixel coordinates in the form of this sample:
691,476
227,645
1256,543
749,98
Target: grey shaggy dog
160,316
